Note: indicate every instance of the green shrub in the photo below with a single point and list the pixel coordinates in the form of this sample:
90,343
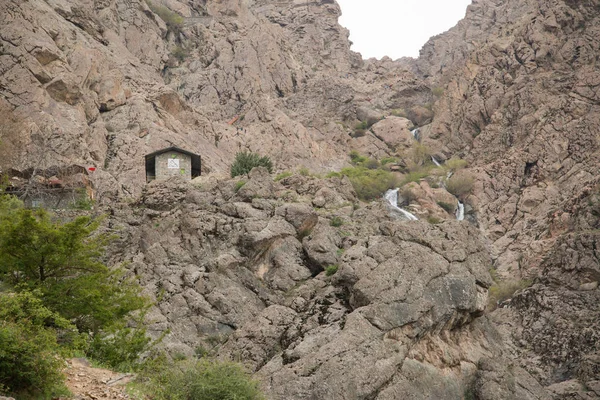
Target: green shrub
356,158
30,356
370,184
244,162
388,160
460,185
433,220
336,221
173,20
371,163
454,164
304,171
331,269
239,185
283,175
449,208
202,379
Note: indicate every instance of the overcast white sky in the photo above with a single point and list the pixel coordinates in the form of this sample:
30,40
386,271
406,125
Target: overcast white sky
397,28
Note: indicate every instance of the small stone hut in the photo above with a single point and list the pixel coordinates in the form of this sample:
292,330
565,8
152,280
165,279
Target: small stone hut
172,161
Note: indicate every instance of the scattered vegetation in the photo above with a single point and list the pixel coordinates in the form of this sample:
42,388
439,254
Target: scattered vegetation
361,128
449,208
331,269
336,221
239,185
244,162
369,184
433,220
399,112
173,20
504,289
181,53
283,175
437,91
460,184
198,379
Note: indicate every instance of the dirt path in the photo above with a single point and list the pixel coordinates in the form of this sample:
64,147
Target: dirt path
88,383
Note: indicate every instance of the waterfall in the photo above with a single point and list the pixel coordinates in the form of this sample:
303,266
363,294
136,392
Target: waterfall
460,212
436,162
415,133
392,198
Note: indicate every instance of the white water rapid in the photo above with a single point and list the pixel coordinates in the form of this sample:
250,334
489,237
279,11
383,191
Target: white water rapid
392,198
460,212
436,162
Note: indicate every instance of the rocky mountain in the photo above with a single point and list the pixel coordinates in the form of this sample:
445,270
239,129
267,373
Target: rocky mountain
323,296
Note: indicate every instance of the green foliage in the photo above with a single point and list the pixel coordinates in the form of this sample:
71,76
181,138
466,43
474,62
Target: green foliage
30,361
433,220
356,158
460,185
449,208
62,264
244,162
336,221
239,185
361,128
283,175
331,269
119,346
304,171
388,160
173,20
454,164
370,184
202,379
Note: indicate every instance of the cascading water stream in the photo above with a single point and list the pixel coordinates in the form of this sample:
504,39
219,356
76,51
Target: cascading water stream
460,211
436,162
392,198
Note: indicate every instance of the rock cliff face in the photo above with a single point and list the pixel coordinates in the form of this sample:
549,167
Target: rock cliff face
322,297
102,83
520,102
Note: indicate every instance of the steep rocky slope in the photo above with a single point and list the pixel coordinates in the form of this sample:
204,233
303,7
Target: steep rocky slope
520,102
513,89
102,83
322,299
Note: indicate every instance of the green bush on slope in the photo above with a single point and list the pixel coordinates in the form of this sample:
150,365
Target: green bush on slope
244,162
201,379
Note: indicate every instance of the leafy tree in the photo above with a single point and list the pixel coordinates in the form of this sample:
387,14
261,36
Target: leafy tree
63,261
30,361
244,162
62,264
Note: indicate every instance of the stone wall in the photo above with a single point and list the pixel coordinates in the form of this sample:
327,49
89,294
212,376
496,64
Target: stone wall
182,161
